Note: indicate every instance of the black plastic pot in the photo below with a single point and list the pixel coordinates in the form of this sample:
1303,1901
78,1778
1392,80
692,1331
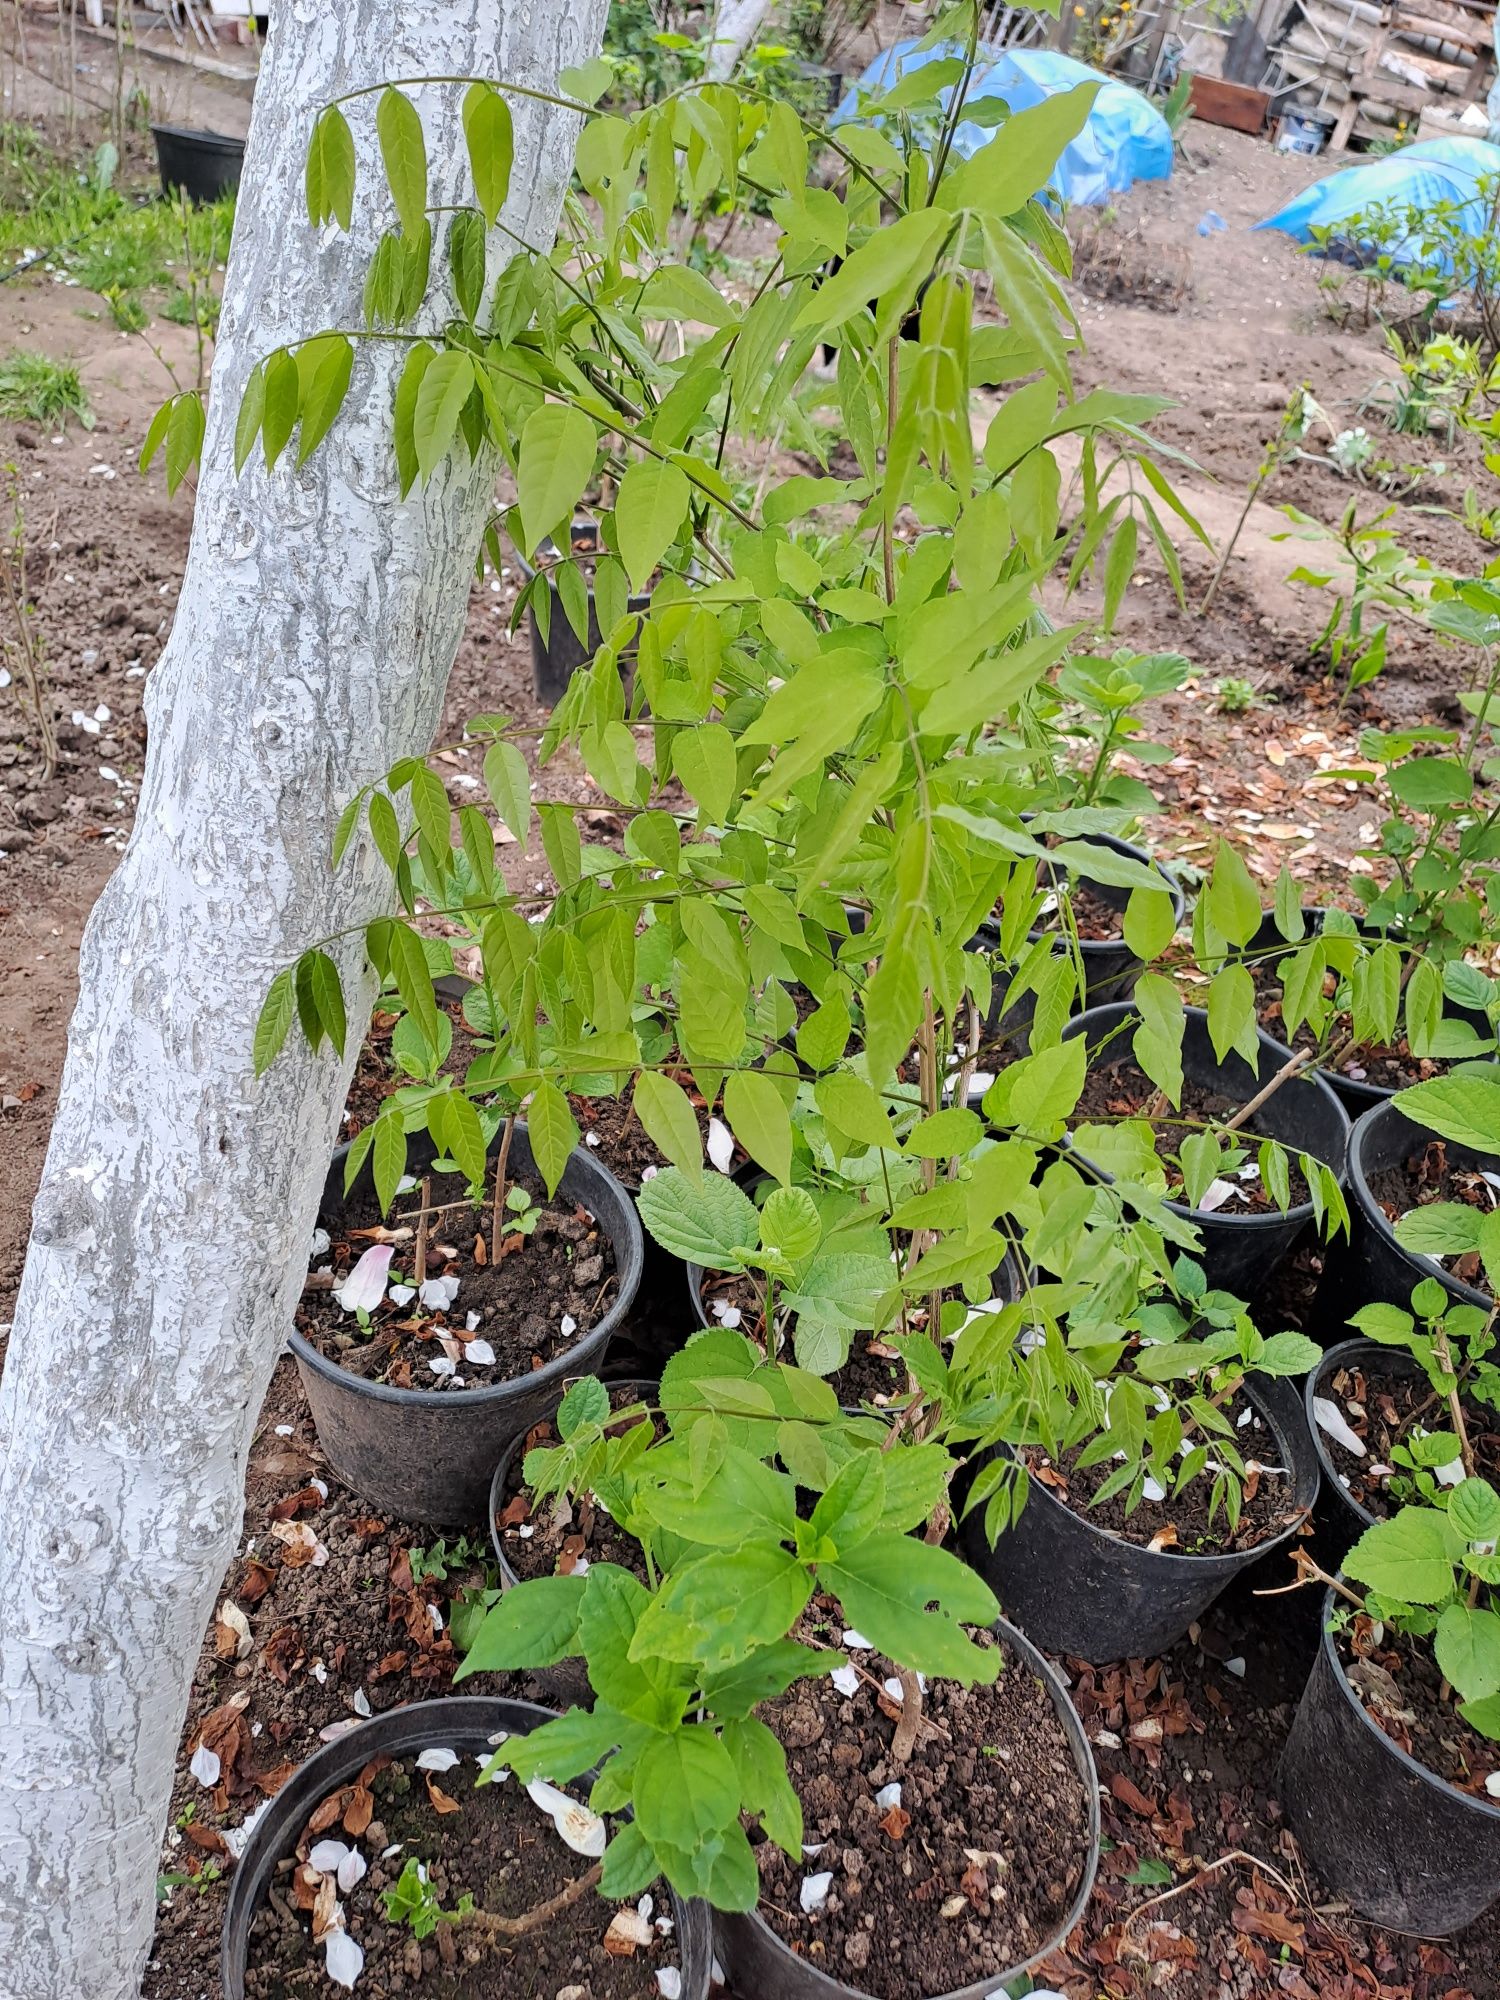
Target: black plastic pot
1357,1097
201,165
429,1455
1384,1833
1110,967
1241,1251
1079,1588
555,659
1340,1518
758,1963
1372,1265
645,1392
457,1722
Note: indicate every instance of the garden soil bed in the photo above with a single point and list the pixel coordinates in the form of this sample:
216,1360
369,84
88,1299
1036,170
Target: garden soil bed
1183,1517
1381,1408
1400,1686
563,1272
963,1877
489,1842
1115,1090
557,1539
1426,1177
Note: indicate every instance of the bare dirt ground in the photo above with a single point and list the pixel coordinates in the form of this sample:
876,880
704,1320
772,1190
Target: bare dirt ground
1187,1745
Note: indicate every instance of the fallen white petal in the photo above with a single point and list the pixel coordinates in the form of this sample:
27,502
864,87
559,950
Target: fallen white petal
364,1287
335,1730
352,1869
286,1430
720,1145
320,1244
437,1294
205,1766
857,1641
360,1703
441,1365
1152,1489
1215,1195
1331,1418
402,1295
888,1796
1236,1666
584,1831
846,1680
480,1353
812,1853
437,1760
669,1982
235,1837
343,1959
814,1891
644,1907
328,1856
1492,1784
1449,1475
569,1325
471,1323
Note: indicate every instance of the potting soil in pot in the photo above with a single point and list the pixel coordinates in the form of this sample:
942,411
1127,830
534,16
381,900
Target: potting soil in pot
1181,1523
963,1871
1097,919
563,1536
479,1321
492,1843
616,1137
1427,1175
1400,1687
1382,1408
1120,1090
1389,1066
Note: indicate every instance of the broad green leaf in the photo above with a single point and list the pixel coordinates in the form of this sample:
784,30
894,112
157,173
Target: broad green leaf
758,1118
704,761
946,1133
888,268
1232,900
324,365
853,1107
686,1789
275,1019
558,444
387,1158
1474,1509
763,1782
490,136
764,1675
533,1625
1150,921
466,261
330,169
885,1586
445,386
553,1132
1406,1557
403,151
508,783
712,1223
1467,1645
716,1611
669,1121
851,1510
649,510
1019,160
1464,1108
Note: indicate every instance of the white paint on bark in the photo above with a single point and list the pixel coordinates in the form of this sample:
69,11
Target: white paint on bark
735,27
318,621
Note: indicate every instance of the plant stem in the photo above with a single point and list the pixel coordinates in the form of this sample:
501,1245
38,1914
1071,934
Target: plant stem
909,1727
1455,1406
888,527
531,1920
422,1220
497,1212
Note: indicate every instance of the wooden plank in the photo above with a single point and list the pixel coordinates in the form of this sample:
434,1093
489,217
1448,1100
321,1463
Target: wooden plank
1235,105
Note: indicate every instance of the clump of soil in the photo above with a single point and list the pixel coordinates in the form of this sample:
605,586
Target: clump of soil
971,1872
489,1842
548,1289
1118,1089
564,1536
1428,1176
1382,1406
1181,1523
1401,1689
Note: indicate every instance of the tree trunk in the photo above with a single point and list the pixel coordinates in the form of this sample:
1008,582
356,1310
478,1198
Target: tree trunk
734,29
317,625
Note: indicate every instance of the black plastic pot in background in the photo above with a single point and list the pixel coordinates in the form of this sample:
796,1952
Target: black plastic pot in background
757,1962
1385,1834
1357,1097
1079,1588
466,1723
641,1391
429,1454
1340,1518
555,659
1110,967
1372,1265
201,165
1241,1251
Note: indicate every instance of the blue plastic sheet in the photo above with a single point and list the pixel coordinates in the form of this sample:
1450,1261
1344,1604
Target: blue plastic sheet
1125,140
1420,176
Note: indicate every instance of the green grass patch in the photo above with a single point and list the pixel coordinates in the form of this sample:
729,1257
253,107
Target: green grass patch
45,391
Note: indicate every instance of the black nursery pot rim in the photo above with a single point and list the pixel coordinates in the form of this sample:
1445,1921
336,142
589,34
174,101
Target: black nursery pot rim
806,1978
1273,1218
629,1259
1186,1559
1487,1809
400,1731
1343,1355
509,1579
1366,1130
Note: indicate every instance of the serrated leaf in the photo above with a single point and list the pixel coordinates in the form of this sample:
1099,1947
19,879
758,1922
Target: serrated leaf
275,1019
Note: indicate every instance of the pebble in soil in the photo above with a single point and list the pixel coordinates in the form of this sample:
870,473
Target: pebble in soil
490,1842
548,1288
969,1871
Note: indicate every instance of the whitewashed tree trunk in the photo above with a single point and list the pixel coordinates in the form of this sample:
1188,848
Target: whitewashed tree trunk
735,27
316,628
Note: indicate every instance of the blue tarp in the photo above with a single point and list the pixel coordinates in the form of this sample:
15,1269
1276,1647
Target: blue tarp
1126,138
1432,171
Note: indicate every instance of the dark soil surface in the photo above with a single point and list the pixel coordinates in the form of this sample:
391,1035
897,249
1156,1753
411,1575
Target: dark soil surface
562,1271
1183,1517
612,1131
1400,1685
489,1842
1429,1176
1380,1406
562,1536
972,1869
377,1073
1097,918
1117,1089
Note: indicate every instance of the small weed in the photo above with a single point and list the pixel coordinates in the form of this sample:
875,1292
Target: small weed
1235,697
46,391
437,1564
